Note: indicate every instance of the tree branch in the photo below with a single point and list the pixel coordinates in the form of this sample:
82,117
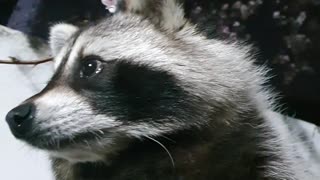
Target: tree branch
15,61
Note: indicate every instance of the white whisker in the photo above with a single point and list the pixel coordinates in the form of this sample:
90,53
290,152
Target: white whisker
173,141
164,147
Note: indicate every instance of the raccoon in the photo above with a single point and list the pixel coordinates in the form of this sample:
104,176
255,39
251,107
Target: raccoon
143,95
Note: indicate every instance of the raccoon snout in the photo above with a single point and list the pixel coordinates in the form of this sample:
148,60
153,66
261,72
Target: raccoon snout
20,119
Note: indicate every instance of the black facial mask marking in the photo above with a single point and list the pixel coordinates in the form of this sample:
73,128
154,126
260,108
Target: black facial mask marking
132,92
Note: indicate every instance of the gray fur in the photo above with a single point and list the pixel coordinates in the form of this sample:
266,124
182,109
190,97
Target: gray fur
218,126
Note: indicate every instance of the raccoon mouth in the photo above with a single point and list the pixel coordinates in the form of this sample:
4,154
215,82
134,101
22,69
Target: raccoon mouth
63,142
77,155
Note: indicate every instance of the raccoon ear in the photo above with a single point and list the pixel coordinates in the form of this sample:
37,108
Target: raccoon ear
59,35
169,15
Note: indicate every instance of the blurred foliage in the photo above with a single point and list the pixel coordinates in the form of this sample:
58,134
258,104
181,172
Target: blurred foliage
286,34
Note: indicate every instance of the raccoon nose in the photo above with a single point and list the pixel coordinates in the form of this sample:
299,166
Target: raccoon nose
20,119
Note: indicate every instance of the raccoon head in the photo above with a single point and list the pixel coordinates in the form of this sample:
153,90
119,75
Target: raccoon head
124,79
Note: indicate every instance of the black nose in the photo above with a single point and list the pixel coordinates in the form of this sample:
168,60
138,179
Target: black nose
20,119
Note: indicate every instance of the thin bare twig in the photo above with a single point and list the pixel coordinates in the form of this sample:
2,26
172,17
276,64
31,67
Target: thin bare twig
15,61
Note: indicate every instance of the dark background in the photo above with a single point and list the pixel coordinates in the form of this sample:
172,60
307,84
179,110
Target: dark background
285,33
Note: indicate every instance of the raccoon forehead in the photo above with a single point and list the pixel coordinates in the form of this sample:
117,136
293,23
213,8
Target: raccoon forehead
129,45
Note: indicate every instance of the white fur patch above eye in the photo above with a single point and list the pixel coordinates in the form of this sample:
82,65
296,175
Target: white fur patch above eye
59,35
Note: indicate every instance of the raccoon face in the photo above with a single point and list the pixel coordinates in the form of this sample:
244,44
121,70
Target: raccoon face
124,79
112,84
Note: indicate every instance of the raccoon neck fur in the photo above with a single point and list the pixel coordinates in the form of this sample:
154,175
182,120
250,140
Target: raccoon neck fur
221,153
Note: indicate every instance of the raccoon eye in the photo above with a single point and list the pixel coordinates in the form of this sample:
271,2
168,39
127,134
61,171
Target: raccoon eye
90,67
